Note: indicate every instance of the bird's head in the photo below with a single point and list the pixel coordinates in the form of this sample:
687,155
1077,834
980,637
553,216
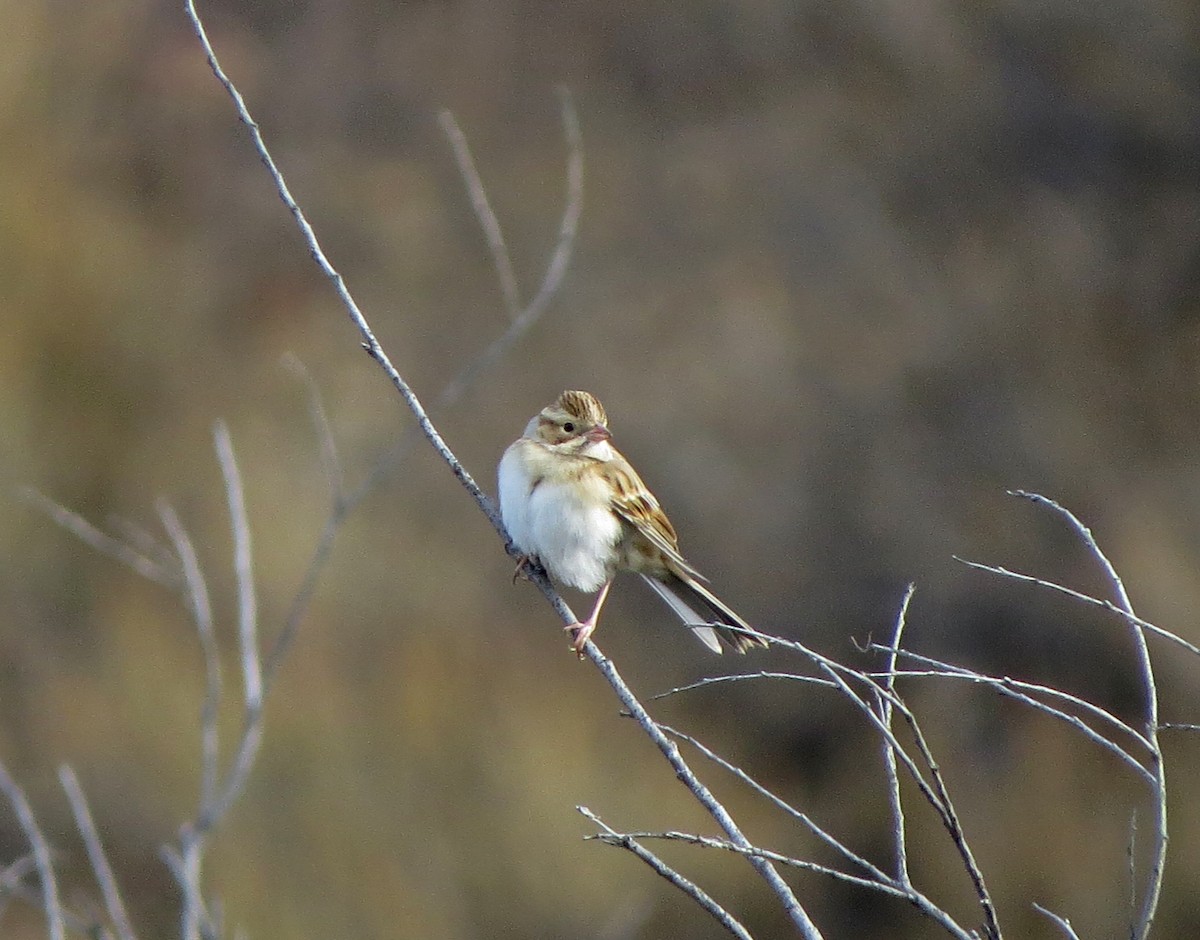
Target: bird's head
574,423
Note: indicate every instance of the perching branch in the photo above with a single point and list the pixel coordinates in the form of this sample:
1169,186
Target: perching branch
521,321
433,436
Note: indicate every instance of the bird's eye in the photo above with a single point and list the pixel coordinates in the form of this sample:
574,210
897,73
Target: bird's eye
568,427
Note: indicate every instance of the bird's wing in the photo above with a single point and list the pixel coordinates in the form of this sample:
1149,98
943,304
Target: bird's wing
634,503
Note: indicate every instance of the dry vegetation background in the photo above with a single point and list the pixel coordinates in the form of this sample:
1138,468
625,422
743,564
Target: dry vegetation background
846,272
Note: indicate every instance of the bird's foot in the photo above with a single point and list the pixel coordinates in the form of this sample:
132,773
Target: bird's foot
580,633
524,564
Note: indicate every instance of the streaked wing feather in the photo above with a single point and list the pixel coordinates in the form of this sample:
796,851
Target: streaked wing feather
634,503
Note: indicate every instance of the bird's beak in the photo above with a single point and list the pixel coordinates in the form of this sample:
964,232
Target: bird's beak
597,434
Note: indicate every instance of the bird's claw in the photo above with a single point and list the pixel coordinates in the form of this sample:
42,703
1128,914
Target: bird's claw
524,563
580,634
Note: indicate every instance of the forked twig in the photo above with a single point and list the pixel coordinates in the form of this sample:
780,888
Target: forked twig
703,795
876,878
101,541
628,842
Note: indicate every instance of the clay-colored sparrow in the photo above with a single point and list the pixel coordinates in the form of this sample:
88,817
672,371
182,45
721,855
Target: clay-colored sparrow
572,502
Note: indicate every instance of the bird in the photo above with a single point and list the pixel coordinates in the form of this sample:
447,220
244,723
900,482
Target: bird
573,504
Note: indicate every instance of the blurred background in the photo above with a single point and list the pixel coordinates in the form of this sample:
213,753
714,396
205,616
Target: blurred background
845,274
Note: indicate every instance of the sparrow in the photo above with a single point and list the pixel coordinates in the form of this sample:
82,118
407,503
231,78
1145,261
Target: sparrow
572,503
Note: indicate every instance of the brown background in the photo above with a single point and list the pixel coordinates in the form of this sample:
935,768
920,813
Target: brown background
845,274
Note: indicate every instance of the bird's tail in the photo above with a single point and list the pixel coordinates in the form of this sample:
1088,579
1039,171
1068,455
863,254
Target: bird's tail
685,596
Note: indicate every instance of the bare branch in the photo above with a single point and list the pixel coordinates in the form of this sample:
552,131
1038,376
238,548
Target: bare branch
703,795
373,348
741,677
611,837
1158,851
41,853
1108,605
886,886
482,207
933,790
1060,922
885,707
201,608
556,270
243,569
320,420
803,818
95,850
954,826
102,542
142,541
217,794
370,343
1016,689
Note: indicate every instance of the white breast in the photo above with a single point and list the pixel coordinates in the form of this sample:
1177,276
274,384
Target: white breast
567,525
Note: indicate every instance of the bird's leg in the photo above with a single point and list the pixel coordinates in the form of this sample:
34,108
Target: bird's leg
524,563
580,632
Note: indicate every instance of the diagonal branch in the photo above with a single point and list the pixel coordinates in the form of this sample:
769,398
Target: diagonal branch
41,854
611,837
96,855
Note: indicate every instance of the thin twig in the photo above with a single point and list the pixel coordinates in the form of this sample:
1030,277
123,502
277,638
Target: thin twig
370,344
935,791
1060,922
958,834
1008,685
251,739
688,887
218,794
877,876
320,421
752,852
1158,850
95,850
803,818
703,795
41,853
202,618
142,541
482,207
1085,598
885,707
1011,688
741,677
243,569
556,269
102,542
